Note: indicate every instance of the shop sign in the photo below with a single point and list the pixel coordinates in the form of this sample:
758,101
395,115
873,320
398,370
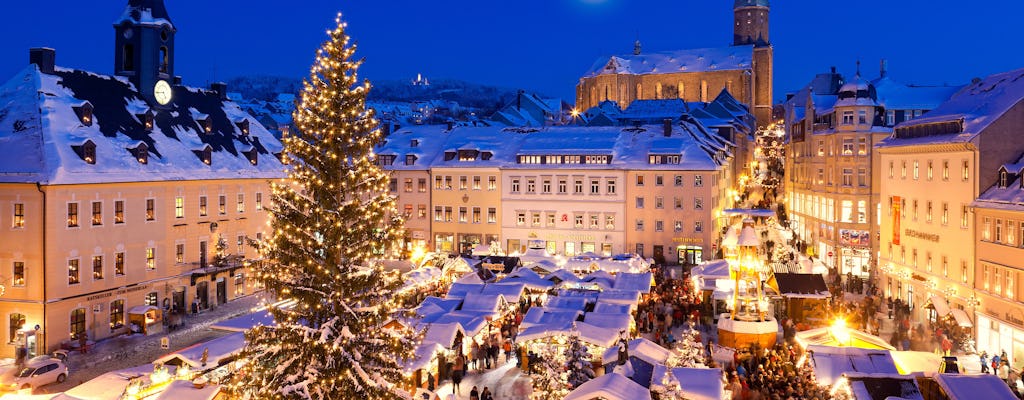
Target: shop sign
688,240
918,277
1016,320
99,296
419,235
896,220
932,237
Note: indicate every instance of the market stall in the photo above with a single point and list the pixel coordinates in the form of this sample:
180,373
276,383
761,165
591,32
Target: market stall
146,320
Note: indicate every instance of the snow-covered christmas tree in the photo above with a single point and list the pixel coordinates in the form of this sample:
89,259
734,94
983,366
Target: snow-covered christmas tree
688,351
578,361
330,218
548,374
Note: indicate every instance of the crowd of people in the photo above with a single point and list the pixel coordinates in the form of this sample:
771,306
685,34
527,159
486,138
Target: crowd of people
772,374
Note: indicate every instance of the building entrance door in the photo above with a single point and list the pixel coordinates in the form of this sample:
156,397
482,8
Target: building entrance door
690,255
203,295
222,291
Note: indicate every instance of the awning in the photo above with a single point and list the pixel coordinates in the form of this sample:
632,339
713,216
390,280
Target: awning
961,318
141,309
941,307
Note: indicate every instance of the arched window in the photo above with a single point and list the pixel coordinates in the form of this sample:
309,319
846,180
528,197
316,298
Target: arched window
77,323
163,58
704,91
657,91
681,90
128,57
17,322
1002,179
639,91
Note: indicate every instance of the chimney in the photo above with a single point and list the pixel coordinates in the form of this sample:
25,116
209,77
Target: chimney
833,69
43,57
882,67
451,125
221,89
176,81
519,99
667,127
386,127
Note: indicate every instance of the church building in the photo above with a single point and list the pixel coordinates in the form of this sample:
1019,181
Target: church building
694,75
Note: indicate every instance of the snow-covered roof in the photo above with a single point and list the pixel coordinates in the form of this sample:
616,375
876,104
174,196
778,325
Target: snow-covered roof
690,60
916,361
185,390
712,269
490,303
471,322
40,132
442,333
696,383
969,387
618,296
898,96
217,350
110,385
652,353
977,105
883,386
528,278
1010,197
824,337
566,303
830,363
511,291
616,322
424,142
640,282
611,386
145,12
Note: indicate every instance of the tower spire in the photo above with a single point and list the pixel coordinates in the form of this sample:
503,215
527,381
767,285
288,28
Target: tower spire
636,44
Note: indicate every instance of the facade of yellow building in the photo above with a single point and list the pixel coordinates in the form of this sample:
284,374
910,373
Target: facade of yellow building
130,200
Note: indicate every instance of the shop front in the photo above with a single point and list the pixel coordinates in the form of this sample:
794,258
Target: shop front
854,253
998,333
689,250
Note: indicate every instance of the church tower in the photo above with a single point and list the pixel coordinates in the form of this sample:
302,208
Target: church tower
751,28
144,49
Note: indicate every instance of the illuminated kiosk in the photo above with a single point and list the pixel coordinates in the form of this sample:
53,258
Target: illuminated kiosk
749,322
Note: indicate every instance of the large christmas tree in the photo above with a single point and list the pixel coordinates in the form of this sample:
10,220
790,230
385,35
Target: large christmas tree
330,218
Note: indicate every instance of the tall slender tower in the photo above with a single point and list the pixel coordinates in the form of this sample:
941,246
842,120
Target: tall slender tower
751,28
144,49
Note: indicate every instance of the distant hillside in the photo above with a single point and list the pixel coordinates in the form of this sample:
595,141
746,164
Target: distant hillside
485,99
264,87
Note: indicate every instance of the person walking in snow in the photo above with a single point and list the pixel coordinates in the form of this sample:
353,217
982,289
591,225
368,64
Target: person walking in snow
984,362
474,394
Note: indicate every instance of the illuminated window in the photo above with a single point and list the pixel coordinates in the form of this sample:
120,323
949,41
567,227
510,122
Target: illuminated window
74,276
117,314
240,206
97,267
18,278
150,258
150,210
179,207
118,264
19,216
72,215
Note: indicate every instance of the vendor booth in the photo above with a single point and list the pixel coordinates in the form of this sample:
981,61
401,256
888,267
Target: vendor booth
146,320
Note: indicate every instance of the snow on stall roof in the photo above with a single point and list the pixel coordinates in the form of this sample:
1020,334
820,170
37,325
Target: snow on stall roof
562,276
616,322
471,322
640,282
978,105
489,303
566,303
185,390
612,386
444,304
38,127
511,291
459,290
916,361
218,349
618,296
597,335
970,387
883,386
690,60
528,278
442,333
543,331
612,308
696,383
111,385
830,363
652,353
822,336
542,315
423,356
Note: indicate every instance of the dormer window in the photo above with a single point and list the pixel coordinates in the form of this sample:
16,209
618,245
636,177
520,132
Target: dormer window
281,157
140,152
414,143
468,155
146,119
410,159
252,155
205,154
486,155
243,126
1003,178
449,155
84,113
86,151
386,159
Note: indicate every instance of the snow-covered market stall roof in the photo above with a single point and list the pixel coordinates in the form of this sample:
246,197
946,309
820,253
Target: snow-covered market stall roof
830,363
825,336
218,350
640,282
529,279
916,361
610,387
245,322
971,387
860,386
696,383
711,270
111,385
641,348
185,390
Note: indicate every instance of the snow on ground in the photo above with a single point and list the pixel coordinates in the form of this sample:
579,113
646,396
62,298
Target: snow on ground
506,383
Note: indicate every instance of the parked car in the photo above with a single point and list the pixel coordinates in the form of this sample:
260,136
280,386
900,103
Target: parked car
38,372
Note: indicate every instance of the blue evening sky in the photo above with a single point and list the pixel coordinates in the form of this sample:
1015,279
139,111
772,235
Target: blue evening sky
541,45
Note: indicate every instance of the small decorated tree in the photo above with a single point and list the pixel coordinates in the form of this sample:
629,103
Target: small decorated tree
548,373
579,368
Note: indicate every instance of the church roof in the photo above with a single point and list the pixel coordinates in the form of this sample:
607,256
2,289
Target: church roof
145,12
750,3
691,60
42,133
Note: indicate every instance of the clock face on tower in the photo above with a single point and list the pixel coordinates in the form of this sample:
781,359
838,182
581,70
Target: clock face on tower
162,92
